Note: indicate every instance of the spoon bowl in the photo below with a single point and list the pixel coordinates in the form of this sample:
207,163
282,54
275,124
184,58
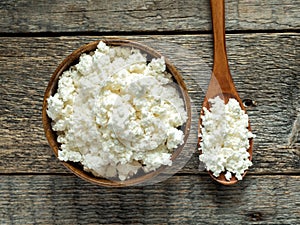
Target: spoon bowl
225,97
221,83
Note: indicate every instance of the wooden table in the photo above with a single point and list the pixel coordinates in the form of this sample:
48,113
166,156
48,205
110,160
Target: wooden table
263,51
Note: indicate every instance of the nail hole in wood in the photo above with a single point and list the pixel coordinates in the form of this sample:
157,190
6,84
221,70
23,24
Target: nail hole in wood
249,103
255,216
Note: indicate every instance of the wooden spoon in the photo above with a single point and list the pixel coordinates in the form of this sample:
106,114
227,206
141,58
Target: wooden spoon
221,83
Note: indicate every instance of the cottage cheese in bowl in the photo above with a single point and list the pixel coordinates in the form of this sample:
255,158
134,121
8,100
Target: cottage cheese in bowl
117,114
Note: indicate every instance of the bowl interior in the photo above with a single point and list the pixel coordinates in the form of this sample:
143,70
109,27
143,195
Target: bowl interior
73,59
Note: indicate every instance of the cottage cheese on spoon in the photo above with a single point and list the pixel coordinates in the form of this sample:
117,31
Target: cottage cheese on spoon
225,138
116,114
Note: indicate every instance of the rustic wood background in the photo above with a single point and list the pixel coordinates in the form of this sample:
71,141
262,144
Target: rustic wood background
263,51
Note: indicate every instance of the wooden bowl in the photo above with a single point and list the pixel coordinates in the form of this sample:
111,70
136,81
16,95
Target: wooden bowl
51,135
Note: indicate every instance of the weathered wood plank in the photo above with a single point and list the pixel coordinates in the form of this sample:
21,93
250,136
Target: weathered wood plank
265,68
179,200
140,16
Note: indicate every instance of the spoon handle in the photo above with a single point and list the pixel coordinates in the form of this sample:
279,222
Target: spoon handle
221,70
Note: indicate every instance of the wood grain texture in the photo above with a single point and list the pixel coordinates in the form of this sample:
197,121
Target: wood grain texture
193,199
27,16
264,67
263,52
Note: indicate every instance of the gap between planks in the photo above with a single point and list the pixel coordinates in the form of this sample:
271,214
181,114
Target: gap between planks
142,33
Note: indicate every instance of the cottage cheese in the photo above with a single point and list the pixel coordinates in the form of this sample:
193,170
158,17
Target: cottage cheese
116,114
225,138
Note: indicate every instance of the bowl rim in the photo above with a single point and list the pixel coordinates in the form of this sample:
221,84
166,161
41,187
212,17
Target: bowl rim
52,87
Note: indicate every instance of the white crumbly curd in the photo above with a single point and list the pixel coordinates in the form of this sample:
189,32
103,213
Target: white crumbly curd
225,138
116,114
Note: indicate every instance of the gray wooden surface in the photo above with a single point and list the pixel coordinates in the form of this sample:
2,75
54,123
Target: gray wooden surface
263,51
